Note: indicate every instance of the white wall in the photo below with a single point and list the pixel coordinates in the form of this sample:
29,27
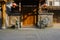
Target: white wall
54,2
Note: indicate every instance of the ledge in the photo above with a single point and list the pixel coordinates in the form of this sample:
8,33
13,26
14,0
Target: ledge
46,14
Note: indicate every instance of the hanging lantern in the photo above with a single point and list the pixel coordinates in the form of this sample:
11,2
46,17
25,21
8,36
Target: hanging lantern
14,5
44,5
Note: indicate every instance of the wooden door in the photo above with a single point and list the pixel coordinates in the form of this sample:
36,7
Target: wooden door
28,13
28,21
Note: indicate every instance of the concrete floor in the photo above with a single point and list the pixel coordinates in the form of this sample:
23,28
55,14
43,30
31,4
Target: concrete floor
30,34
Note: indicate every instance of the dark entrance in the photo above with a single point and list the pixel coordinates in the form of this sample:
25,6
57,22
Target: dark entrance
29,13
56,16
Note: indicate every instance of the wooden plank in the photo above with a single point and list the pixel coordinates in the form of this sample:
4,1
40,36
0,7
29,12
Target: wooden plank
28,21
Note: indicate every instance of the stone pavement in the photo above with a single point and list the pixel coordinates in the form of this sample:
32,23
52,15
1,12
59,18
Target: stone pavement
56,25
30,34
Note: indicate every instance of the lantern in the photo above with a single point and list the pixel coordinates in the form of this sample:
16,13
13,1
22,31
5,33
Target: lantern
14,5
44,5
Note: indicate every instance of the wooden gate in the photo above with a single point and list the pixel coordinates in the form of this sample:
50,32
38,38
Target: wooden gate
28,10
28,21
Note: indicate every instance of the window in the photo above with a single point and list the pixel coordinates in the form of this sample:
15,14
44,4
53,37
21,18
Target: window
56,2
50,3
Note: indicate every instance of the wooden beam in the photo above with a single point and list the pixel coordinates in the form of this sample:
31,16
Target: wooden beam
3,14
54,7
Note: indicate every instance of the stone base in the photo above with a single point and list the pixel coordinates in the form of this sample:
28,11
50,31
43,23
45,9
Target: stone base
4,27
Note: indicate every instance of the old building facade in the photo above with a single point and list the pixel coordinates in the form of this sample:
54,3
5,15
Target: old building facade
55,7
26,14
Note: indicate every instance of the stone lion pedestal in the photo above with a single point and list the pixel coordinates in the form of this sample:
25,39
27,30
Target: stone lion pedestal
45,20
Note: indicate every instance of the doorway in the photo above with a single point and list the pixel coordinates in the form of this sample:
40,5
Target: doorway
29,17
29,12
56,16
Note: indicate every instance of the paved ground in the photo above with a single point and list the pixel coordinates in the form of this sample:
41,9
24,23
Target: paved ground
30,34
56,25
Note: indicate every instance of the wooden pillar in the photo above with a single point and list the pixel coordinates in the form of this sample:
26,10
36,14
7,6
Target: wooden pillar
4,14
40,9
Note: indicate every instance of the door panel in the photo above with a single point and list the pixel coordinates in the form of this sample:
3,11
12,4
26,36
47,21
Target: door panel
28,21
28,11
